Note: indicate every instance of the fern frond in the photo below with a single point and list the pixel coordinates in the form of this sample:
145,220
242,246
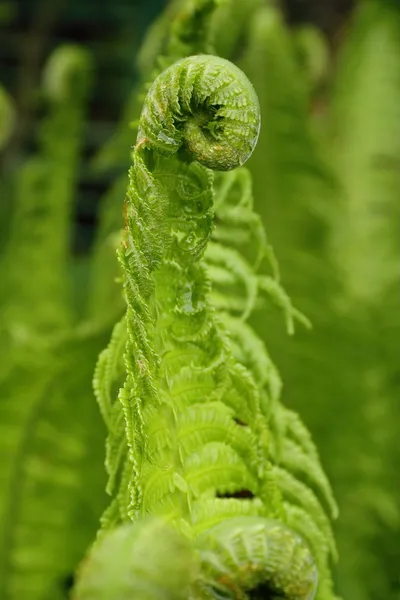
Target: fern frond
50,435
185,32
296,492
297,463
365,150
40,229
194,421
108,378
217,468
312,51
366,154
229,26
288,167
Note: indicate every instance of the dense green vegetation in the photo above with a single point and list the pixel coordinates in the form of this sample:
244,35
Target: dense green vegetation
325,180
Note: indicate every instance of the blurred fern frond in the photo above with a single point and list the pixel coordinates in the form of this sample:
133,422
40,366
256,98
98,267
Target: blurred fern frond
331,207
51,434
39,294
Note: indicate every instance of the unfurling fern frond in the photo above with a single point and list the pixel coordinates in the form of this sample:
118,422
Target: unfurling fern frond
256,558
238,559
197,434
181,30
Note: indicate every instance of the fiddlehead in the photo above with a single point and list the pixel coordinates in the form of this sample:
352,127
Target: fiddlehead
169,222
181,31
251,557
207,108
197,438
239,559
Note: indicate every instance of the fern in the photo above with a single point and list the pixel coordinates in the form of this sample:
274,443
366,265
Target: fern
338,377
290,448
45,445
213,449
287,167
364,243
312,51
173,452
184,27
50,430
41,226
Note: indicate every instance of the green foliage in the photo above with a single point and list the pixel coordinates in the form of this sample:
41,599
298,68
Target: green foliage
213,448
140,567
7,117
364,245
365,152
256,554
41,227
331,209
51,434
179,32
47,455
195,433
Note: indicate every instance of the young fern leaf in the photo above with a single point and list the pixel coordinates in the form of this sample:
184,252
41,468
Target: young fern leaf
181,30
170,217
196,421
184,28
255,558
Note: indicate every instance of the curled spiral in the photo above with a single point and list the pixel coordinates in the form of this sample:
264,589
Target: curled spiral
205,107
254,557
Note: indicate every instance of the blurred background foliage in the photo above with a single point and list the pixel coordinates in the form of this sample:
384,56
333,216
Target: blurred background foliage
326,176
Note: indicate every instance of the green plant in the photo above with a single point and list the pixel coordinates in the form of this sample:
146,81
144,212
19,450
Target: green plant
325,181
335,241
189,434
50,428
